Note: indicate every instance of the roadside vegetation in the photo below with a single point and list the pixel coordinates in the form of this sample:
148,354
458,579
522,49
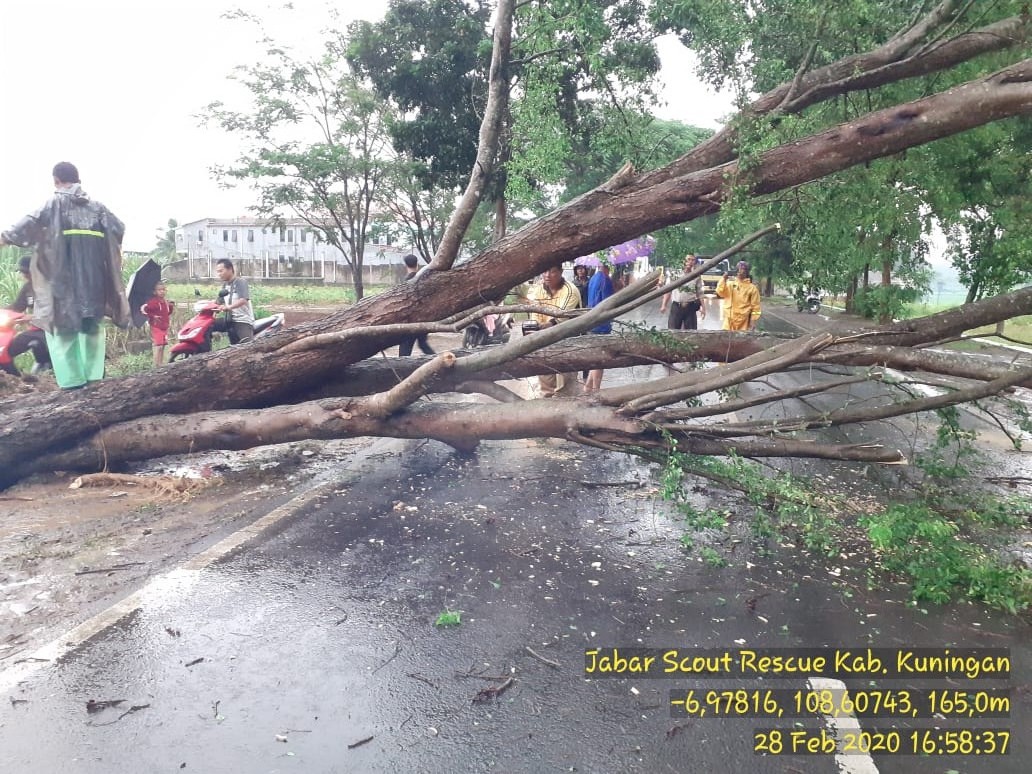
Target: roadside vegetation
948,529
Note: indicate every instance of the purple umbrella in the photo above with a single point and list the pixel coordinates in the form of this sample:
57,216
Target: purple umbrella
628,252
588,260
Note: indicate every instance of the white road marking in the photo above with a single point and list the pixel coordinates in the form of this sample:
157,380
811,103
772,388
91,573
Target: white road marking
175,581
851,763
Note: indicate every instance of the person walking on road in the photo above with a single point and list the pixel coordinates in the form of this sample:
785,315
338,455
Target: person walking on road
686,302
600,287
76,276
742,299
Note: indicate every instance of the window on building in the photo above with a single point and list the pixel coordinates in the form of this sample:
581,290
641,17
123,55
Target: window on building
225,235
234,235
290,235
304,235
250,235
282,234
200,235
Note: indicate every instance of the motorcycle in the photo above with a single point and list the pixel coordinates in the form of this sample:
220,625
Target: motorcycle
490,329
811,303
34,343
194,338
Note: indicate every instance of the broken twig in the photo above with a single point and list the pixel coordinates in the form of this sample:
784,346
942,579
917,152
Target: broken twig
542,659
487,694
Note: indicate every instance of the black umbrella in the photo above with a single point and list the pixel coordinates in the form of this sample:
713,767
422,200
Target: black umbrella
141,288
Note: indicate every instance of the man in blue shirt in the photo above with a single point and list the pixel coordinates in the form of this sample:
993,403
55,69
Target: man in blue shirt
600,287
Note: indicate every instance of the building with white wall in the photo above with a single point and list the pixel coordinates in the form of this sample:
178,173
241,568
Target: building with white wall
289,250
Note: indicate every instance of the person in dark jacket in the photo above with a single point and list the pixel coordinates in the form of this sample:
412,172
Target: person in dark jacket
76,276
405,347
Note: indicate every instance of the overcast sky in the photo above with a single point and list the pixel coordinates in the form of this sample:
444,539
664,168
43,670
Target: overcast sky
116,87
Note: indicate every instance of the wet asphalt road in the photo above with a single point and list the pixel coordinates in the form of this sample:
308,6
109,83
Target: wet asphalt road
313,648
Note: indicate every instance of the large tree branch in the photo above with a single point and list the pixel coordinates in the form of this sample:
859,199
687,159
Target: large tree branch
459,425
487,147
902,57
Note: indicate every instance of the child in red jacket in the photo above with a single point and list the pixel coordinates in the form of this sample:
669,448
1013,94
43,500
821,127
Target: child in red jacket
159,313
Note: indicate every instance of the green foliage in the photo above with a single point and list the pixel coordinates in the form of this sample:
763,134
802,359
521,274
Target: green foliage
449,618
930,548
881,302
794,509
951,452
11,279
580,76
946,544
129,364
430,58
981,195
315,145
839,229
165,252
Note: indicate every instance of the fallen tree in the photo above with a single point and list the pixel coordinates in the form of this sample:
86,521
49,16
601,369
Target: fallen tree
263,392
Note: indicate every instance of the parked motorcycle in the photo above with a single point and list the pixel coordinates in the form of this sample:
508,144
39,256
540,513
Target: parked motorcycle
489,329
811,302
194,338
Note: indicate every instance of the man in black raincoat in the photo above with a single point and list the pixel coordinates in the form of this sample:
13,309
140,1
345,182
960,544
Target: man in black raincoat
76,276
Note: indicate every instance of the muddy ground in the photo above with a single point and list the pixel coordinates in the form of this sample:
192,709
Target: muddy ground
66,552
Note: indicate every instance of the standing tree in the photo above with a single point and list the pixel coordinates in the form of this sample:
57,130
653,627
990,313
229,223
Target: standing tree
316,146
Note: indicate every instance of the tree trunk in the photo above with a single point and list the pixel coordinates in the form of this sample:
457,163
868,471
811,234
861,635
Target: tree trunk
357,280
885,314
747,356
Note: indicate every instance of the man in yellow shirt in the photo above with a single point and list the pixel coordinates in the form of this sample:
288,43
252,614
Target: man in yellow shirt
741,300
554,291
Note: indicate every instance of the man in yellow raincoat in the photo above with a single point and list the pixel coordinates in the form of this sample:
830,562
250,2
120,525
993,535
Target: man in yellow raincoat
741,300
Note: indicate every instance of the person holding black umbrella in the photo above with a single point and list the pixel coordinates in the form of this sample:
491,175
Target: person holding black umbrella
76,276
